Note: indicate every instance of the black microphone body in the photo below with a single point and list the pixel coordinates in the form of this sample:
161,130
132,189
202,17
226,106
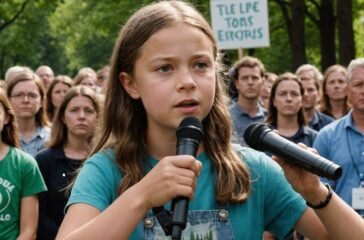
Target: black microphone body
189,135
262,138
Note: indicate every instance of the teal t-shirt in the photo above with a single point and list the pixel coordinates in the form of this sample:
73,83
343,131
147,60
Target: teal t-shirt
273,205
19,177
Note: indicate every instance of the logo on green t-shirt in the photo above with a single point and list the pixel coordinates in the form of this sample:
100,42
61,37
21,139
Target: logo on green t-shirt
5,189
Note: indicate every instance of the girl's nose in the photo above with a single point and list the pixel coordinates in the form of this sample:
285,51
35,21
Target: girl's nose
186,80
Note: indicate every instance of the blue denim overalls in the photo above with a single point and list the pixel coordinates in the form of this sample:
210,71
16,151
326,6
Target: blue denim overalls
211,224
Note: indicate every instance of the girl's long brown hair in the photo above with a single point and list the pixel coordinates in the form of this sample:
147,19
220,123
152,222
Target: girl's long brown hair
124,123
9,134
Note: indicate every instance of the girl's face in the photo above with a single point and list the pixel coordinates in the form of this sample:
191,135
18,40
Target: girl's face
174,76
25,99
288,99
80,117
58,92
336,86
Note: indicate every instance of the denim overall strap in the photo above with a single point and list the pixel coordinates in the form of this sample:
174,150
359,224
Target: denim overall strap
206,224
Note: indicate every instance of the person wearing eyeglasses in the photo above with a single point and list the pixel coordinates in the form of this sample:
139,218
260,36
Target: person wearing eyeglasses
27,97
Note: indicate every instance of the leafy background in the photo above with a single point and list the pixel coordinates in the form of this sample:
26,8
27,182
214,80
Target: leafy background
70,34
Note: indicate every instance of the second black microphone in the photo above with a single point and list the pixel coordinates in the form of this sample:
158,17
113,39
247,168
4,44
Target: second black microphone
262,138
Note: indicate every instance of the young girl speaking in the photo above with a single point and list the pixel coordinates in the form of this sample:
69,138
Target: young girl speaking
164,68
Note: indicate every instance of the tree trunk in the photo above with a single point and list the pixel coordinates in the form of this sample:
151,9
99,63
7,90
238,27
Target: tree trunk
346,33
298,44
327,34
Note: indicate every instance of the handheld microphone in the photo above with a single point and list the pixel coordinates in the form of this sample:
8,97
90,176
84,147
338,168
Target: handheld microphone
262,138
189,135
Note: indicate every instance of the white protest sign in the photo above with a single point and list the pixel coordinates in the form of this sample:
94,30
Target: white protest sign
240,23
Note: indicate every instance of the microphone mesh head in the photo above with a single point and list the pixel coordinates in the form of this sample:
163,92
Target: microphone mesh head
190,127
254,133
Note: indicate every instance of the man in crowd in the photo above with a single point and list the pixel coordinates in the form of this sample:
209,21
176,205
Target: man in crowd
46,74
343,141
248,75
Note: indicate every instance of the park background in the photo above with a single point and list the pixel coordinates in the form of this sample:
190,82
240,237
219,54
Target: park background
70,34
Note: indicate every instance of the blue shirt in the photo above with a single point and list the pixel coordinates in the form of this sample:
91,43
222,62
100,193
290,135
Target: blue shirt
242,119
36,142
320,120
342,143
272,205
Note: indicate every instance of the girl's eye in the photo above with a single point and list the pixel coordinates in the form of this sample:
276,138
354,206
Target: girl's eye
201,65
165,68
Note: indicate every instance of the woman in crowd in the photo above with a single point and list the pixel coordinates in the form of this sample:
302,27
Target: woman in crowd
334,99
72,130
27,97
20,181
285,111
55,93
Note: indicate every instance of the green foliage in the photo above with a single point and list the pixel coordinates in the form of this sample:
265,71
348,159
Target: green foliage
26,41
87,30
358,17
70,34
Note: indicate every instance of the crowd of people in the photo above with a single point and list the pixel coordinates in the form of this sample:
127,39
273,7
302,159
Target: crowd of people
123,120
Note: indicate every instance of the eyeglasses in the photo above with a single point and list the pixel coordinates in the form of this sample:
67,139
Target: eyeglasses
21,95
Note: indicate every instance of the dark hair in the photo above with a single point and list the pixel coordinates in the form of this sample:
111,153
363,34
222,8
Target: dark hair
272,116
9,134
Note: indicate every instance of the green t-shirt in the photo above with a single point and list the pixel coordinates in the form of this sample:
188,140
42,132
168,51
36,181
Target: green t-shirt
19,177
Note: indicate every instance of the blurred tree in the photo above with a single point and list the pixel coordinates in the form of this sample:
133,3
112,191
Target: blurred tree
345,31
26,40
70,34
10,11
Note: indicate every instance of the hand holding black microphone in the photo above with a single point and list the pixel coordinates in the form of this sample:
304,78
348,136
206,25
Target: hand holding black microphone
262,138
189,135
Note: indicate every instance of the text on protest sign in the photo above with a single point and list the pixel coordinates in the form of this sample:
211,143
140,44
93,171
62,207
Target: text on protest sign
240,23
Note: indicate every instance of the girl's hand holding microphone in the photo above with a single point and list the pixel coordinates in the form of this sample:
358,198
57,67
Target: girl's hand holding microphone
172,177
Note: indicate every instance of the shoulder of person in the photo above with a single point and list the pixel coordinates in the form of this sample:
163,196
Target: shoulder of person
251,156
335,125
104,159
309,131
46,156
325,117
22,157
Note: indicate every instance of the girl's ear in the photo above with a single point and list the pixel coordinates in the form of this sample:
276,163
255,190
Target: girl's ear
129,85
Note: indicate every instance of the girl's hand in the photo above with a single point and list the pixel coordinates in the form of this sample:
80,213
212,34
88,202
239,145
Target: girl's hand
172,177
302,181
